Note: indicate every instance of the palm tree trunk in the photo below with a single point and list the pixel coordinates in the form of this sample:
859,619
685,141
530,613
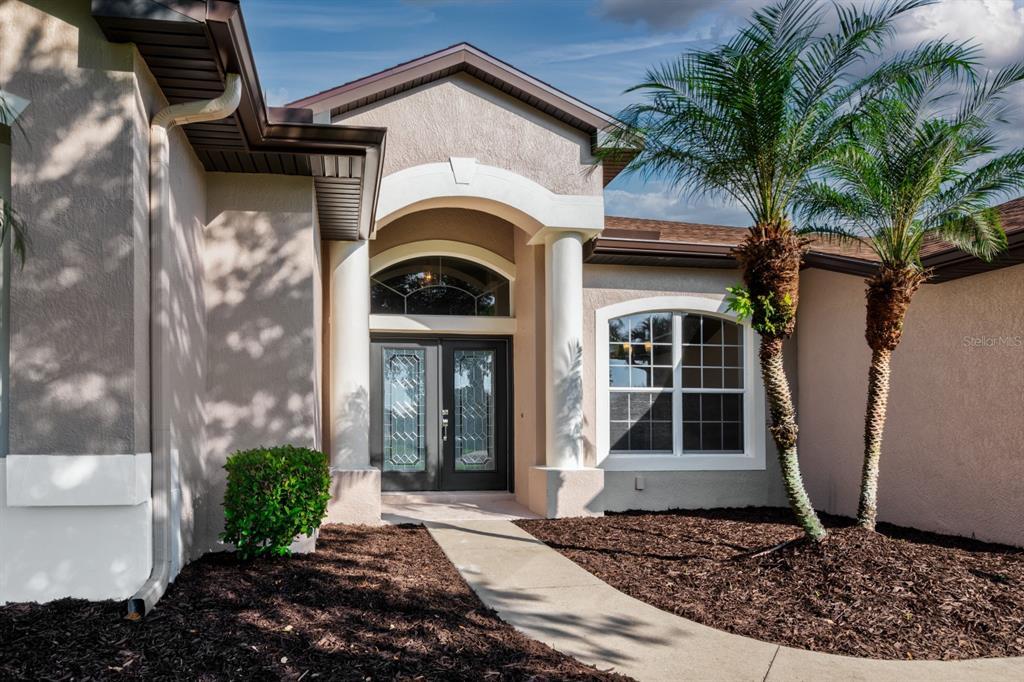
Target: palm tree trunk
784,432
889,293
770,257
874,425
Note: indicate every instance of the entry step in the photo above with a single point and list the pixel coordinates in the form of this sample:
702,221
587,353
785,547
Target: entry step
445,506
445,496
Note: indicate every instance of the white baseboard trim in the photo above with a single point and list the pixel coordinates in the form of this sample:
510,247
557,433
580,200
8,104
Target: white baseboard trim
78,480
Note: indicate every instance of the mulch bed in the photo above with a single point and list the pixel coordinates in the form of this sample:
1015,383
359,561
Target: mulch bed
371,604
895,594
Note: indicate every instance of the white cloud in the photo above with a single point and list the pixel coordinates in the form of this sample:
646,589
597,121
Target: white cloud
602,48
996,25
661,14
659,200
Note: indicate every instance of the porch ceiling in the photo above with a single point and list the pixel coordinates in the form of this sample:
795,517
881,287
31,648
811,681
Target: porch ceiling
189,45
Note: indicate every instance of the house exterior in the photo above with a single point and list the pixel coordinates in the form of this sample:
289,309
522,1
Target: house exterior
413,272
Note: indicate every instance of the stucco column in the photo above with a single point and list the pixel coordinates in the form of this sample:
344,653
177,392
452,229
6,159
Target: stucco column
350,355
564,330
355,494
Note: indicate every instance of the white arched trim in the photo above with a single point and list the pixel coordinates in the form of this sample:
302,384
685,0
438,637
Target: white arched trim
444,247
464,183
753,456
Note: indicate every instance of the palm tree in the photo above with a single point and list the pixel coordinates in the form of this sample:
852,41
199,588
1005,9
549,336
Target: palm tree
750,120
915,169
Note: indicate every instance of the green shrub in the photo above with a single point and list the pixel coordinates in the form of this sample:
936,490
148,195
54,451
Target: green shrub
274,494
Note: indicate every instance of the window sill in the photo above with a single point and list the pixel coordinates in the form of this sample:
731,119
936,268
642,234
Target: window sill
622,462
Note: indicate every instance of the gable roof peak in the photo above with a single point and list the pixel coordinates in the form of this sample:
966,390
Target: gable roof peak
462,57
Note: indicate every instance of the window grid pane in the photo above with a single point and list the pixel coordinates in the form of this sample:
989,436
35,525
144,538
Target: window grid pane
698,360
712,385
641,421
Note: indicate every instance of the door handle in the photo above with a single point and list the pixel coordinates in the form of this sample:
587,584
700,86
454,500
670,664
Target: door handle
444,425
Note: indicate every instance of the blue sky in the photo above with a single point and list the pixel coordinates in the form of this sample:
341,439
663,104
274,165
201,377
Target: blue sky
591,49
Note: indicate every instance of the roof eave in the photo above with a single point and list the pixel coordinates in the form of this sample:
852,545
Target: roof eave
211,36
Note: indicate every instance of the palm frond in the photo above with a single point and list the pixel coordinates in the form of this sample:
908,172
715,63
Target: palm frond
908,170
834,233
980,233
755,117
13,228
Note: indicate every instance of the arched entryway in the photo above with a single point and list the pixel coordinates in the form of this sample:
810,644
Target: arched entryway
440,401
549,233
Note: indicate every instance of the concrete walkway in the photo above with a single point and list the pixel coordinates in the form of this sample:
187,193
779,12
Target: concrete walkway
427,507
551,599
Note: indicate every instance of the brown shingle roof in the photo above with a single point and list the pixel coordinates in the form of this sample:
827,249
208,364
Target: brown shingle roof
722,235
672,231
642,241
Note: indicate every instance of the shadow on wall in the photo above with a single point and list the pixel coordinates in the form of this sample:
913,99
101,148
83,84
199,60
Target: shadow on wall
352,435
568,396
260,309
73,341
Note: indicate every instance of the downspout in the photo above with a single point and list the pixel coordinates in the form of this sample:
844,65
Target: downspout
160,327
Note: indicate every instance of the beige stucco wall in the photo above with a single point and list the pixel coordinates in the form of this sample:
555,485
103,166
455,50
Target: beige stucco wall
78,333
462,116
244,282
80,306
604,285
262,379
454,224
952,456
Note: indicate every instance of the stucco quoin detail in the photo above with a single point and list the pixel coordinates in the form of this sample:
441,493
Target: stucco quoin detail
508,195
78,480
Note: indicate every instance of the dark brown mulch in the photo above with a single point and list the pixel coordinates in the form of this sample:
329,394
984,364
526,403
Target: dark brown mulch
376,604
895,594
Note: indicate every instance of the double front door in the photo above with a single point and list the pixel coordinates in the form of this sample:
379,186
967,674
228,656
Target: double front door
439,413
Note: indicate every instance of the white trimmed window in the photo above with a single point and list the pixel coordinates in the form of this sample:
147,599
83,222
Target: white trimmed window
677,391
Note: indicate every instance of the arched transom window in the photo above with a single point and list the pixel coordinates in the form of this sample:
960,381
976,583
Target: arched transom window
676,384
439,285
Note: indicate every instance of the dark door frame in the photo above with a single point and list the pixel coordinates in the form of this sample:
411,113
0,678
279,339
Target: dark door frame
439,453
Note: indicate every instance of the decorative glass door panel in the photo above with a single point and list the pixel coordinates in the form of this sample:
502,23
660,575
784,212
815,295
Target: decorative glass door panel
439,413
474,410
405,409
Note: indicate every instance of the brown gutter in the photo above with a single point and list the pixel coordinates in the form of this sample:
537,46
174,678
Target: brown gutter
190,41
836,263
946,265
283,129
951,264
